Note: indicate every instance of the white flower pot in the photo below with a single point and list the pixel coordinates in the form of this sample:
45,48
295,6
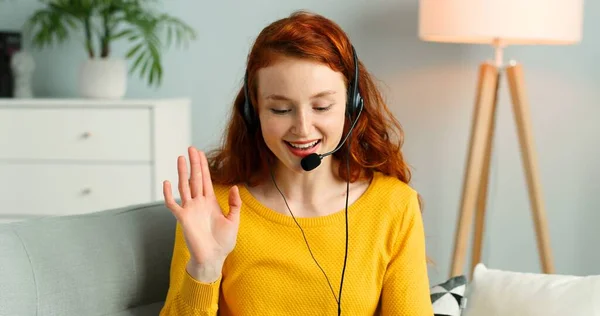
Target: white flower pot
104,78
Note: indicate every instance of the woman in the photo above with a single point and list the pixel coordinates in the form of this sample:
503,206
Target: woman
257,234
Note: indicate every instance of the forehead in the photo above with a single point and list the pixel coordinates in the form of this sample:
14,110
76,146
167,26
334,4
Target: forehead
298,78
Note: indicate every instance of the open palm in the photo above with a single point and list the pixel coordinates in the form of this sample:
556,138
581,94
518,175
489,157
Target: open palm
209,234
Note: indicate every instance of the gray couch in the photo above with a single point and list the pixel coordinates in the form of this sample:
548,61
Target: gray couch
114,262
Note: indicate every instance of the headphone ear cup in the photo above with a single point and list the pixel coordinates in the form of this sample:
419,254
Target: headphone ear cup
359,103
247,110
354,100
249,115
355,105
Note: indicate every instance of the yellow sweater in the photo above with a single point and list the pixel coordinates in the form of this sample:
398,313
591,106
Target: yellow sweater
271,272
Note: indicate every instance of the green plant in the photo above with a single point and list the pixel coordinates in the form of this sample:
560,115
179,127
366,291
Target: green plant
105,21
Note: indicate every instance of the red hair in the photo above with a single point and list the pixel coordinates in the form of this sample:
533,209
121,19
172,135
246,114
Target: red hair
376,140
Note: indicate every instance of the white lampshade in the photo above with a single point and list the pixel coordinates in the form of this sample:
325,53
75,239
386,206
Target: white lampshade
552,22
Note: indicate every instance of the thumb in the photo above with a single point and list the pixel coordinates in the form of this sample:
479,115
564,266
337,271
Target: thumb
235,204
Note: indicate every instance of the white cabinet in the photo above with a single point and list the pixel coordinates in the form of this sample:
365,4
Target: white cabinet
72,156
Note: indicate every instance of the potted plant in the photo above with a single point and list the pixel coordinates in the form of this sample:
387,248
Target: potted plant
104,22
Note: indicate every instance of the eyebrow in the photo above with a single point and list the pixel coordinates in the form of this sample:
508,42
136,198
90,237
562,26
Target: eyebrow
284,98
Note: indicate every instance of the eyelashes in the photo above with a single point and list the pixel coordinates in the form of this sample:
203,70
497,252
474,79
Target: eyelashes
318,109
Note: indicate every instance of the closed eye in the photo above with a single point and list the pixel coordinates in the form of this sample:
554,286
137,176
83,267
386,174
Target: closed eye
323,109
319,109
276,111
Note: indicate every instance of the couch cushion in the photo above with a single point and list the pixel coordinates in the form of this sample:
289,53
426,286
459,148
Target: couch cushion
101,263
145,310
17,283
497,293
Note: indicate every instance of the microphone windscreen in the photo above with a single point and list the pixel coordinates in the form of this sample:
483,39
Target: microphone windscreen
310,162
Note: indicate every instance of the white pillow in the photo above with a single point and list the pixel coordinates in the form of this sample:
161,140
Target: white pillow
503,293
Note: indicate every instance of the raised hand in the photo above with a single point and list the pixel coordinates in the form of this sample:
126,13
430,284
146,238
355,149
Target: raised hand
210,236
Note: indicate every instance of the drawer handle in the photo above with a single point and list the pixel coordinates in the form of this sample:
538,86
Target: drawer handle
86,191
86,135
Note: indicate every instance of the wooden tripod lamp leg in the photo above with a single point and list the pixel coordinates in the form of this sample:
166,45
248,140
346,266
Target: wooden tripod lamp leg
483,188
482,120
523,121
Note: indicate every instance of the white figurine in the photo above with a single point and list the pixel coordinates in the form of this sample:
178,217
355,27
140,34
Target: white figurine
22,65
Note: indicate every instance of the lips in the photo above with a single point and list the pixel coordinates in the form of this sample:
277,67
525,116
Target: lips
302,149
304,145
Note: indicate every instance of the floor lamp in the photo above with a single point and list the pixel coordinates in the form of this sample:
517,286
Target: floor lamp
499,23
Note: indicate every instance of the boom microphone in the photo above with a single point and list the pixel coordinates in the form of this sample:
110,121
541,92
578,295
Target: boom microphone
313,160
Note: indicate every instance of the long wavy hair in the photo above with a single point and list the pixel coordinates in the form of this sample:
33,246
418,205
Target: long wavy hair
376,140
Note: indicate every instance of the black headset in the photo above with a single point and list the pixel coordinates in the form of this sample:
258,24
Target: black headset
354,103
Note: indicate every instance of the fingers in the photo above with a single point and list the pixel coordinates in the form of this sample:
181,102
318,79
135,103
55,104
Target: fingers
169,200
235,204
206,180
196,176
184,186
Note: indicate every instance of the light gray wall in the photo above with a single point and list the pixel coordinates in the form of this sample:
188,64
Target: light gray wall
430,87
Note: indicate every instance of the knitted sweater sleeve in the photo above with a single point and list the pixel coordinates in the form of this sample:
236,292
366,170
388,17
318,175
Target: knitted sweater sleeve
187,296
406,283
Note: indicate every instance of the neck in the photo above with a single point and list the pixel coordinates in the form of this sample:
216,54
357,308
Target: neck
306,187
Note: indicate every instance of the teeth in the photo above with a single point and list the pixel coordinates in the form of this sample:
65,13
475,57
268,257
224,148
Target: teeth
304,146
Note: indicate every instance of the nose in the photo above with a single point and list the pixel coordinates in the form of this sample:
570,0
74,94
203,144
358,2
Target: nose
302,123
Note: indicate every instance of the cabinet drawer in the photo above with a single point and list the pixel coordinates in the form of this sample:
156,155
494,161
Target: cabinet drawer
31,190
75,133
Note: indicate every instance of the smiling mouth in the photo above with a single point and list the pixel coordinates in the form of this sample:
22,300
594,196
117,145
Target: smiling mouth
305,146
